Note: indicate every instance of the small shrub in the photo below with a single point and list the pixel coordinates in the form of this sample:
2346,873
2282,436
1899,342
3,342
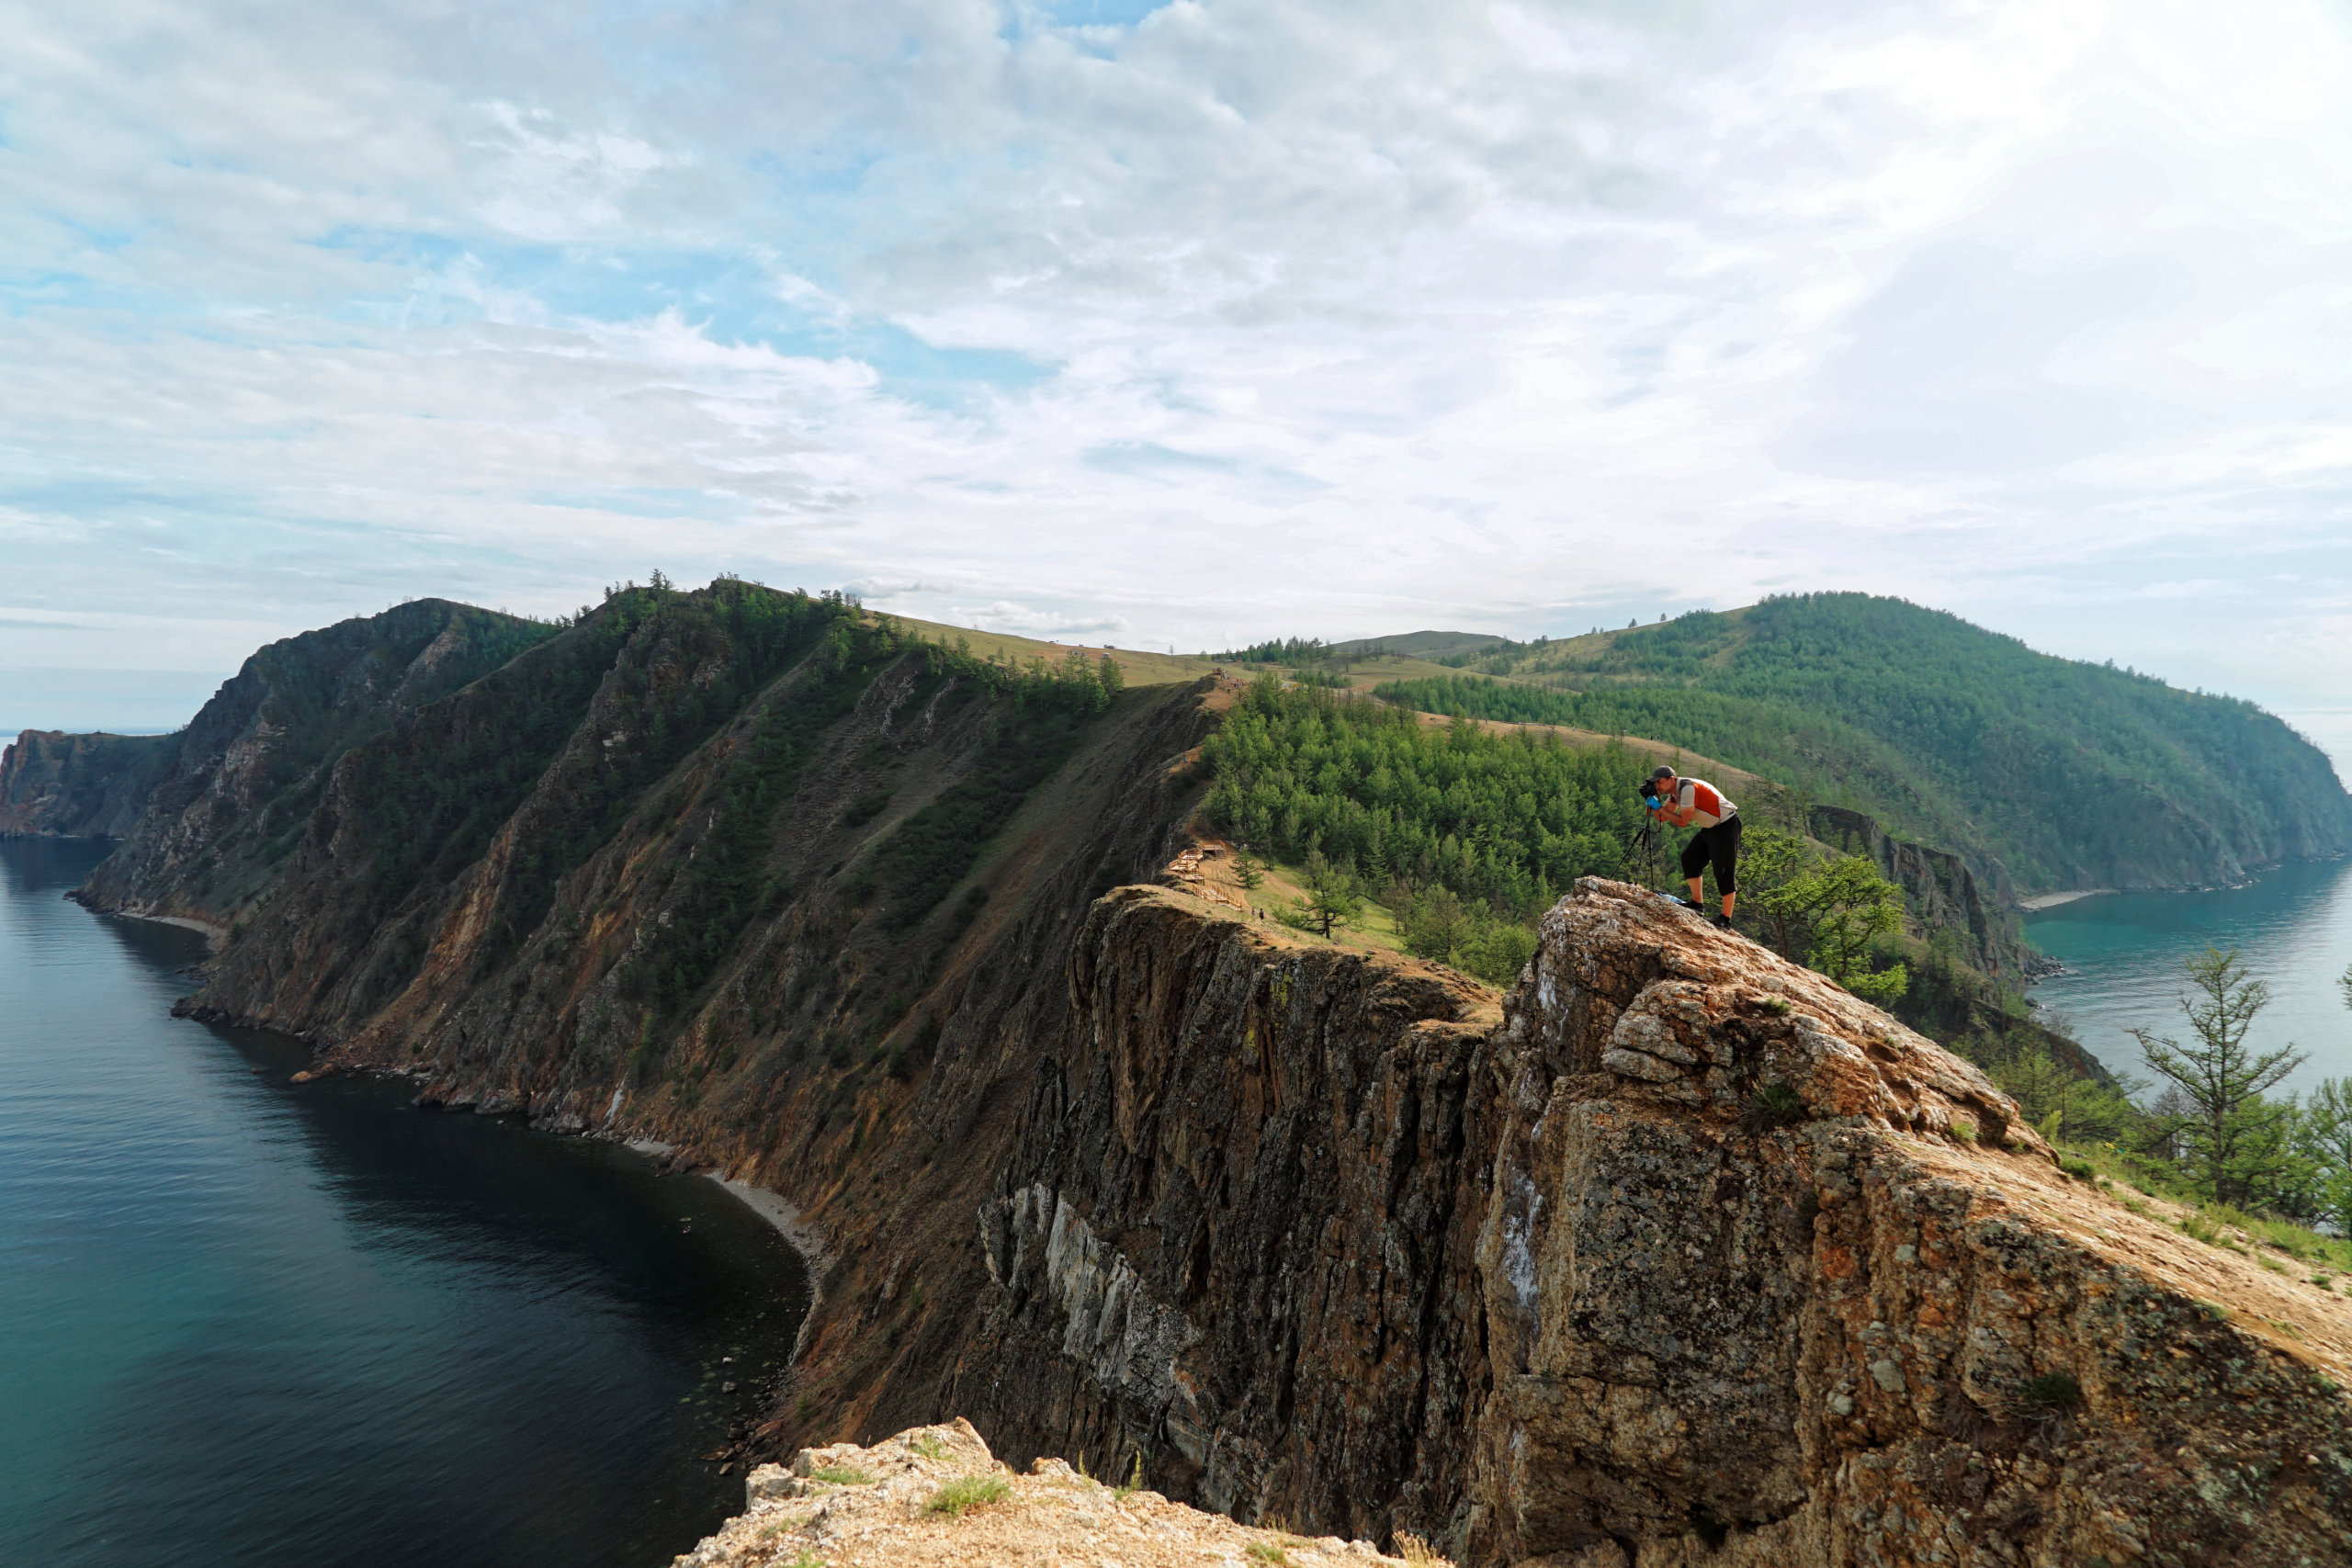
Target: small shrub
929,1445
966,1493
867,810
1774,1105
2050,1391
1964,1129
2214,1312
2272,1264
1134,1481
842,1475
1776,1006
2080,1169
2324,1281
1267,1551
805,1408
2203,1227
1416,1550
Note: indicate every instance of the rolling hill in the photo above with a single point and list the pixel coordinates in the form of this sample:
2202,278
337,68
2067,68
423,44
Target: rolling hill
2045,773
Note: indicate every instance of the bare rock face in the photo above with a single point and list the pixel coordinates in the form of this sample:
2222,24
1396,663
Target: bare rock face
1770,1280
54,786
1694,1258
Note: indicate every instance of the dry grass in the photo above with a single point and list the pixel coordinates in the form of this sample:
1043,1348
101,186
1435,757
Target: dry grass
966,1493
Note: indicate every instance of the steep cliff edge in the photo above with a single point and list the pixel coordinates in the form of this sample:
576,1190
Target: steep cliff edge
217,806
55,785
1888,1331
1694,1258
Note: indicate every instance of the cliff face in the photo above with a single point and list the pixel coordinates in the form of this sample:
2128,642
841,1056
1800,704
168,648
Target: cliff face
224,801
1680,1254
1695,1257
54,786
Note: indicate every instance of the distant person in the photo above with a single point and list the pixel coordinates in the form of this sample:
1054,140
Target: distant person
1695,802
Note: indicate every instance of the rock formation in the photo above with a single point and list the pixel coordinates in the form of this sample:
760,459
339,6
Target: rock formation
54,786
931,1497
1680,1254
1695,1257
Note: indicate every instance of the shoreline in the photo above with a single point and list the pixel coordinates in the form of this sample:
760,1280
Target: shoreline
215,937
2051,900
804,1238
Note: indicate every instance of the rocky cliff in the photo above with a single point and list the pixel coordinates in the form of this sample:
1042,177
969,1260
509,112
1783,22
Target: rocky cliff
1677,1254
220,804
54,786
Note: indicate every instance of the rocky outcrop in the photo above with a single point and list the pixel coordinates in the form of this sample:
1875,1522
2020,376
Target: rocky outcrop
223,802
55,785
1884,1331
1694,1258
933,1496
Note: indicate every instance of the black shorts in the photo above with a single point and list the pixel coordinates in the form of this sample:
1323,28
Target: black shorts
1719,845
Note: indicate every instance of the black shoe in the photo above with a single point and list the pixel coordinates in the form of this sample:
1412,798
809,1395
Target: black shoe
1723,922
1697,909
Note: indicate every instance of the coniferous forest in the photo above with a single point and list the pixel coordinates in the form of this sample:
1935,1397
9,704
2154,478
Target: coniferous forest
2065,774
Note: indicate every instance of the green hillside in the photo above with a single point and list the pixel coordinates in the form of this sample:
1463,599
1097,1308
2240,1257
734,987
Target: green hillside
2064,775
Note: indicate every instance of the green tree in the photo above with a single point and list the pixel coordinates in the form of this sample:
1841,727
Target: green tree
1437,925
1250,871
2061,1103
1834,909
1776,886
1855,908
1331,900
2323,1137
2235,1143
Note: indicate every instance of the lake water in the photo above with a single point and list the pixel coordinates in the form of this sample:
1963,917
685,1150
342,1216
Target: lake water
2124,954
245,1322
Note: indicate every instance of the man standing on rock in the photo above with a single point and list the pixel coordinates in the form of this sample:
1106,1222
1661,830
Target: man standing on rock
1687,803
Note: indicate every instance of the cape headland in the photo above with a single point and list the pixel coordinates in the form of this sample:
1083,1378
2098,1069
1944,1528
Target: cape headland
1669,1252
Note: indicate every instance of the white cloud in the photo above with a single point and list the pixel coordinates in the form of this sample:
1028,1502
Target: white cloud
1257,317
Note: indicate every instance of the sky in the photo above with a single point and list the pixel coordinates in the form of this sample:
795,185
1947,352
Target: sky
1177,326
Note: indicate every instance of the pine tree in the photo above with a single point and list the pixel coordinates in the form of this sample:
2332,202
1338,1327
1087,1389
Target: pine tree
2234,1143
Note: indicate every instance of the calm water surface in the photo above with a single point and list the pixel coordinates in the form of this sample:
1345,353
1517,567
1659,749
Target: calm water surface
2124,953
244,1322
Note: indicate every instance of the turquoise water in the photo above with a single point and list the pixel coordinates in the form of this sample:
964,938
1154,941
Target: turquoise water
244,1321
2123,952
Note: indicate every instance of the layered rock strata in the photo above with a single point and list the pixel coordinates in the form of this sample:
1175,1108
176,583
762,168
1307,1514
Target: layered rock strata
1695,1258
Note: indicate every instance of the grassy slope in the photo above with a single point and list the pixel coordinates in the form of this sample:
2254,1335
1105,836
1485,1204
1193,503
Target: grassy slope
1142,668
2067,774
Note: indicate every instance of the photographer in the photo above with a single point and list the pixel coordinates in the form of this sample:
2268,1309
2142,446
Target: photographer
1688,803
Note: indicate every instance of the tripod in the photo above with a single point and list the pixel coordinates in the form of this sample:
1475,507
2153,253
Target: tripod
1640,853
